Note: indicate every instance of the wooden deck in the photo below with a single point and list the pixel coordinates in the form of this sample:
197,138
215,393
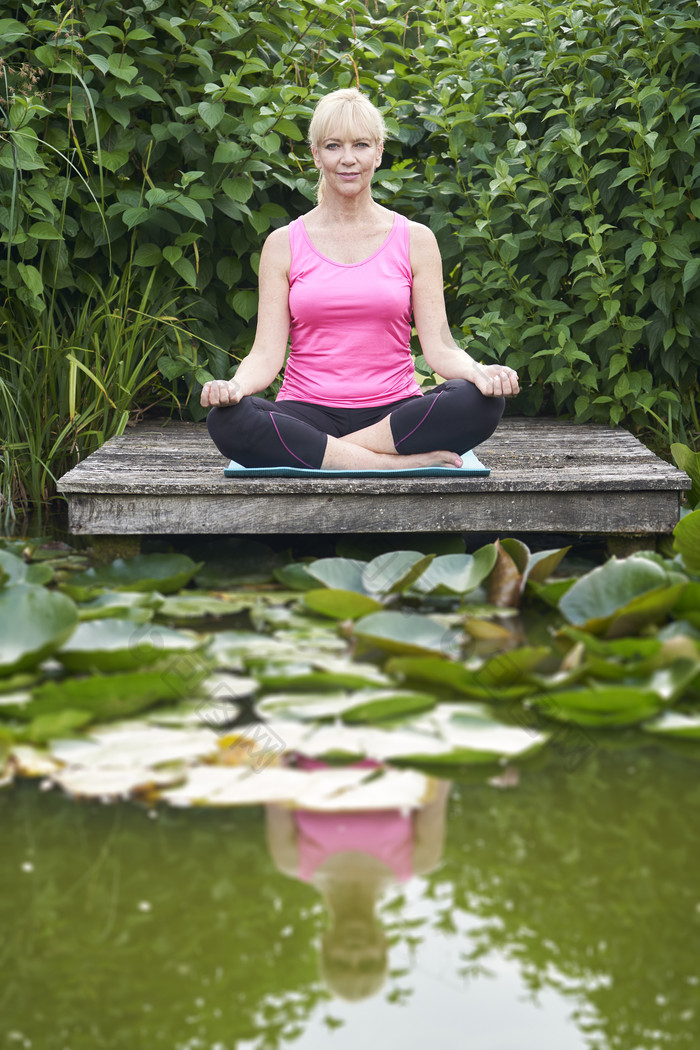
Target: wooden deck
546,476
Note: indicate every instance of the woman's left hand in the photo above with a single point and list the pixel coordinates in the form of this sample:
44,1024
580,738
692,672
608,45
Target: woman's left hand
496,380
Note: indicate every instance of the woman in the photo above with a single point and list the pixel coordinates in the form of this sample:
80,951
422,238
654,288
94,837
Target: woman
344,280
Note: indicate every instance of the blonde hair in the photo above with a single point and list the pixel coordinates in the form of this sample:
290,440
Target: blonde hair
348,114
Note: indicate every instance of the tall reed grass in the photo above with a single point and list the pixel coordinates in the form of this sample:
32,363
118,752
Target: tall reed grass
69,378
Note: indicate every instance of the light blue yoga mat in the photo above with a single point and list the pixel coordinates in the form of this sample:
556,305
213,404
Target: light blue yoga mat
471,467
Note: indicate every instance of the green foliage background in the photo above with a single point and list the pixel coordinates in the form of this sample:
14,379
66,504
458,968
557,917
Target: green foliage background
145,153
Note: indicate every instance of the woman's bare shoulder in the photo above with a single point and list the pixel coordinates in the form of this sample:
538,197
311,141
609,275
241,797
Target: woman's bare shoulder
421,235
276,251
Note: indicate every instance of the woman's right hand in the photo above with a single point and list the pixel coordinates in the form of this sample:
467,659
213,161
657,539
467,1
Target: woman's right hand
219,393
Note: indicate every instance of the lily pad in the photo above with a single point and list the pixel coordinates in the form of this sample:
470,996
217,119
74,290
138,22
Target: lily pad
34,623
166,573
202,606
457,573
368,705
106,697
320,676
340,605
686,540
688,461
472,682
620,597
136,606
408,633
121,645
15,570
295,577
394,571
342,574
598,707
677,724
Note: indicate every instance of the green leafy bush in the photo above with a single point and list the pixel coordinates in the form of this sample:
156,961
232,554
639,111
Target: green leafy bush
561,175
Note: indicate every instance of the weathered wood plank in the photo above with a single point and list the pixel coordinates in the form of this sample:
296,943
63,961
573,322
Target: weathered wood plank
546,475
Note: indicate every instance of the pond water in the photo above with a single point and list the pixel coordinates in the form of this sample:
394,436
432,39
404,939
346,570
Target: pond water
556,909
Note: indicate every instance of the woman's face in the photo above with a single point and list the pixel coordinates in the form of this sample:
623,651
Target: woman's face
347,164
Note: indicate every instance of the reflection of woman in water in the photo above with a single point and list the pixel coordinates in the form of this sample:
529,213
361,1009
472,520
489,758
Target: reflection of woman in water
352,858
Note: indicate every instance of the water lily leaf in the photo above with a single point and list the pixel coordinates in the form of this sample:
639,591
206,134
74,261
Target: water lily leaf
619,597
343,574
510,668
106,697
201,606
458,573
455,677
340,605
688,461
688,605
14,683
551,593
394,571
686,540
543,563
166,573
132,744
136,606
368,705
34,623
350,788
676,723
617,705
471,733
295,577
15,570
388,705
121,645
57,723
338,674
399,632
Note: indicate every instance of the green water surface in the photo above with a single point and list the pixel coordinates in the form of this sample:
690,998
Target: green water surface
564,913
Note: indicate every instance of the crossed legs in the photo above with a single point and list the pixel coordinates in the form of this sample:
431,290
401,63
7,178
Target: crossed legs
419,431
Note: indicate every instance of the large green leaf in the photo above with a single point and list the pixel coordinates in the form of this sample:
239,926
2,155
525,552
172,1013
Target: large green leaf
343,574
120,645
340,605
620,597
688,461
394,571
15,570
105,697
366,705
406,633
686,540
320,675
478,683
137,606
457,573
34,623
598,707
165,573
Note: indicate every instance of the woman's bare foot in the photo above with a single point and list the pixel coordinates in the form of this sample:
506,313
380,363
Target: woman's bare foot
343,455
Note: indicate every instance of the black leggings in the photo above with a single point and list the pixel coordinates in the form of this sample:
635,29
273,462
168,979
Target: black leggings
453,416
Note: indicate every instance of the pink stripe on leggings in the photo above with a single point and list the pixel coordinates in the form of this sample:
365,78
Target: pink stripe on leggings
287,446
420,421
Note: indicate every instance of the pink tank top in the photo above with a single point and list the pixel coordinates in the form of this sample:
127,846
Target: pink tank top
385,834
350,324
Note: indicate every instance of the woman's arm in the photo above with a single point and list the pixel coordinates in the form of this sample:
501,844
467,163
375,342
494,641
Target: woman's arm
282,838
430,318
266,357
